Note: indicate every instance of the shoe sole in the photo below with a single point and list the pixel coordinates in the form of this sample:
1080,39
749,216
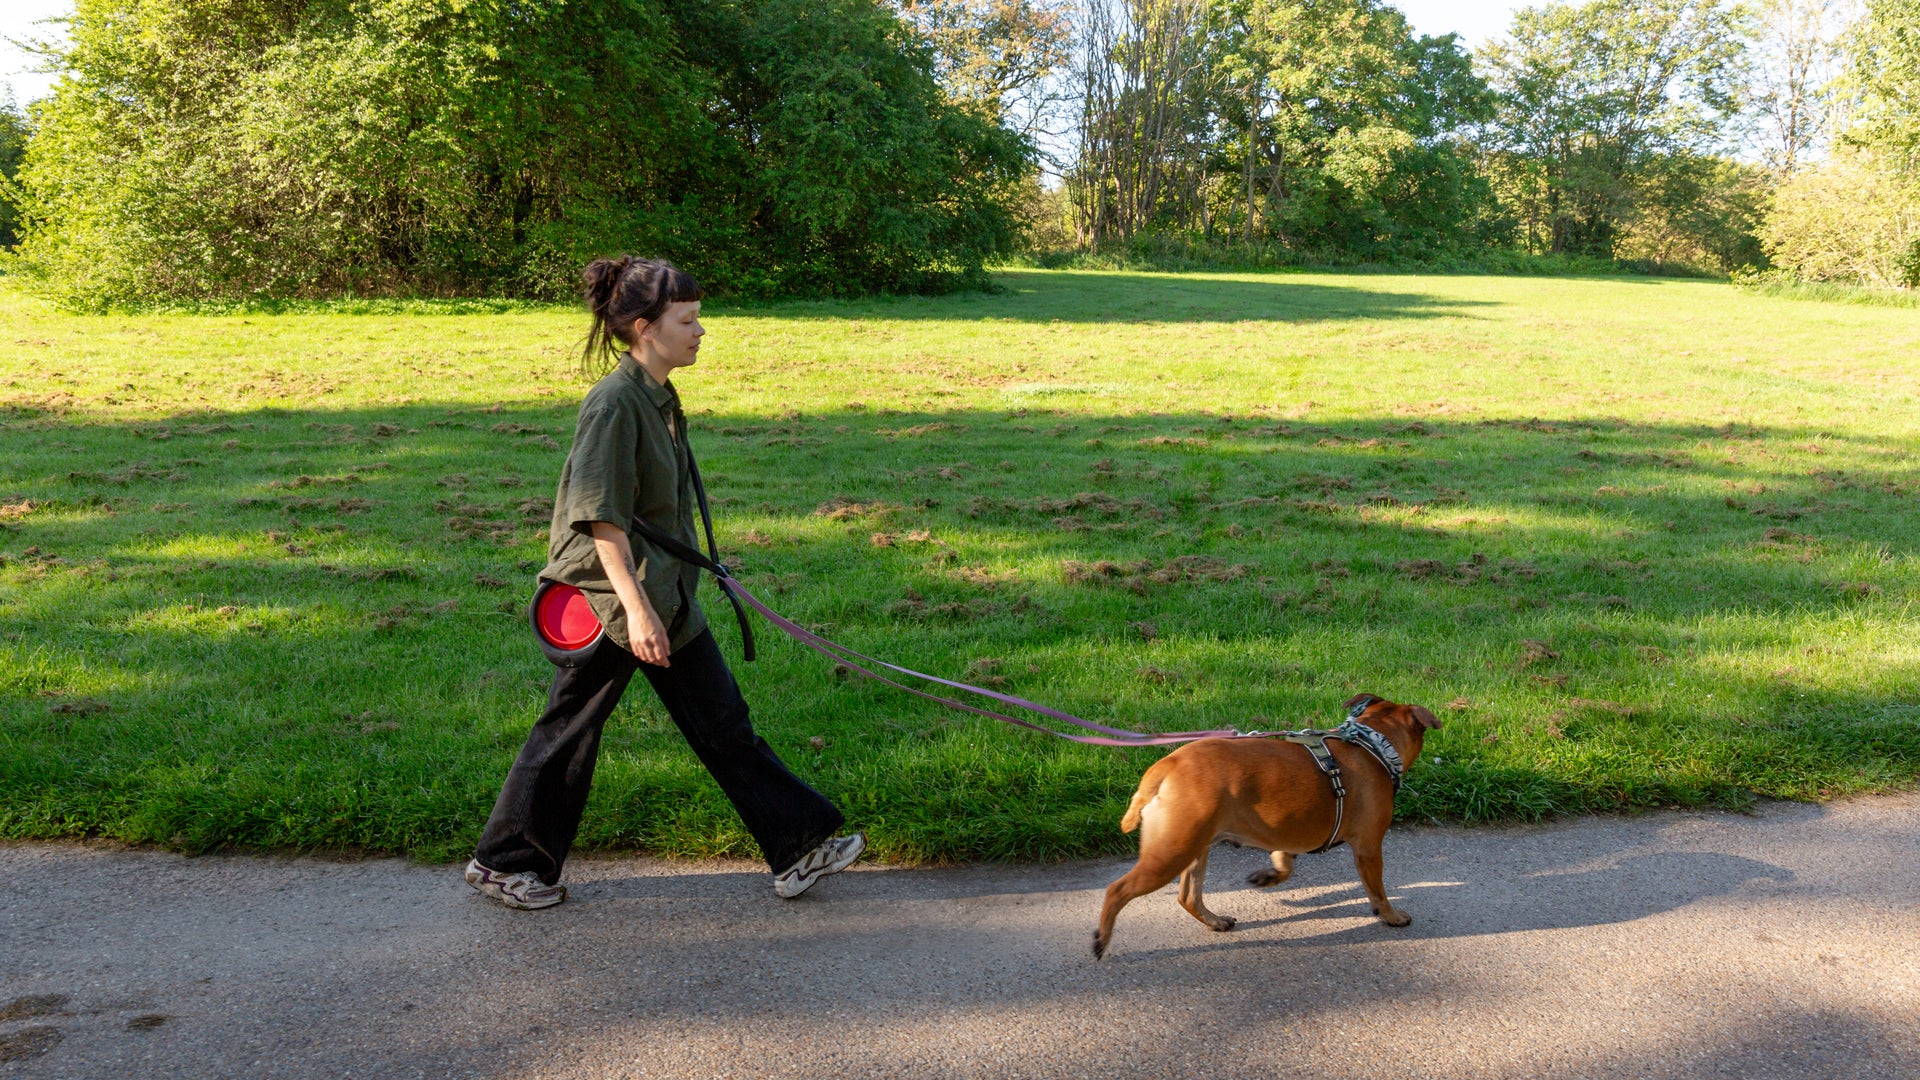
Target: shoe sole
505,900
831,868
523,905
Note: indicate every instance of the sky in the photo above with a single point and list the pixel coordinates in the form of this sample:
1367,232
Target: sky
17,18
1474,20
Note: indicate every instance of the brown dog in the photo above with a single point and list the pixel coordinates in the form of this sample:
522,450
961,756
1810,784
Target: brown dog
1266,794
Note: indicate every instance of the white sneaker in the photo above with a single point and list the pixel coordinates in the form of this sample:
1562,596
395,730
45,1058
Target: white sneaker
523,890
830,857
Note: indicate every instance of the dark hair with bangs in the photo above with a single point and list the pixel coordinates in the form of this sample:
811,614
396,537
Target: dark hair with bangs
620,291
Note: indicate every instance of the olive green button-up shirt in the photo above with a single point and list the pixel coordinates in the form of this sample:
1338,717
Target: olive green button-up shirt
629,456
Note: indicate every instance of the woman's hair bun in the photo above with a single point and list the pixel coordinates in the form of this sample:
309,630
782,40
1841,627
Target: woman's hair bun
601,277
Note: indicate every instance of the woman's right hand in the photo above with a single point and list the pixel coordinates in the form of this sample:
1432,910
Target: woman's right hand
647,639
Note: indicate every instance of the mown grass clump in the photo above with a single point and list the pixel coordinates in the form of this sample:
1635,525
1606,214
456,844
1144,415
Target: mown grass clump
1639,542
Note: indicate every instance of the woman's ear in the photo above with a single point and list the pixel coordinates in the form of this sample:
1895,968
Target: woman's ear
640,329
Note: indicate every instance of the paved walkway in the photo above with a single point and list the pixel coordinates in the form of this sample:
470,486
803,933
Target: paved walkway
1778,944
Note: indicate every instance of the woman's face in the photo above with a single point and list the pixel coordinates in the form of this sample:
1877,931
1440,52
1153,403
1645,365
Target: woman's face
674,337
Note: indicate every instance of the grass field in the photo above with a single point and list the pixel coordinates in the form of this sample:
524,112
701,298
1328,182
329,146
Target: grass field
1640,542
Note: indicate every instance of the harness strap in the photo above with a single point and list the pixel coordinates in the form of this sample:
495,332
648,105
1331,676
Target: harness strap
1354,733
712,564
1316,744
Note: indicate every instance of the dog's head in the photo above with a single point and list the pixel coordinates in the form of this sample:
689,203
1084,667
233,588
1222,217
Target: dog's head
1392,718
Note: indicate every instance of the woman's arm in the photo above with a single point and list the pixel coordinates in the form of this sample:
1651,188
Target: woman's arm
647,638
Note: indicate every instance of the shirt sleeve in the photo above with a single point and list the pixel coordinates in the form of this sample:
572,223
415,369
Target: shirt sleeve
601,471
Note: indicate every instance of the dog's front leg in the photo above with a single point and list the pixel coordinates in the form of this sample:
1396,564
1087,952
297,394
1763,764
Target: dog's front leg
1367,860
1192,883
1282,870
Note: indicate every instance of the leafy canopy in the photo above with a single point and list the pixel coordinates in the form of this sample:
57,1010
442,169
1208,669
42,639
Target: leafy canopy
318,147
1598,99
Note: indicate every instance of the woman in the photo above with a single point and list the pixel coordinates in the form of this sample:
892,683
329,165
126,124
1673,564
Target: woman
630,457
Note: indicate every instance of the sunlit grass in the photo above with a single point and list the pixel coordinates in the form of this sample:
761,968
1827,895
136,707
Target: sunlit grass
1639,542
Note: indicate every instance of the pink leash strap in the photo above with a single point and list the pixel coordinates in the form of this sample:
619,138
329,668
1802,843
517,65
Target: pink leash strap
1110,736
736,592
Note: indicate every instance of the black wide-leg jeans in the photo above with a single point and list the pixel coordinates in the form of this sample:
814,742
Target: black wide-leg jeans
538,813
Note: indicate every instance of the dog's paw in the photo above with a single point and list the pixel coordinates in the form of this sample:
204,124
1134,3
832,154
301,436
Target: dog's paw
1222,923
1099,946
1395,918
1263,878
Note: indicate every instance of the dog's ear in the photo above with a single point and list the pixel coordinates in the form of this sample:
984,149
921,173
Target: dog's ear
1426,717
1357,699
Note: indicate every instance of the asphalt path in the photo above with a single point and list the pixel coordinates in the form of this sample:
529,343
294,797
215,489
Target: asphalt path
1780,943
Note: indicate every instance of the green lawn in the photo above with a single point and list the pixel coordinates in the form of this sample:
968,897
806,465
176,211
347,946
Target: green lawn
1639,542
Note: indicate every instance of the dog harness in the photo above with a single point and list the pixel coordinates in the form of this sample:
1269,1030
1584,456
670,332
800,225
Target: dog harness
1357,734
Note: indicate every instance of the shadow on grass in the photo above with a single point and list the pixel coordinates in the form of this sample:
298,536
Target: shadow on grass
299,628
1101,296
1113,297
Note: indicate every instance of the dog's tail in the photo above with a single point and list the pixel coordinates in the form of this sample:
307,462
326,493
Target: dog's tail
1149,787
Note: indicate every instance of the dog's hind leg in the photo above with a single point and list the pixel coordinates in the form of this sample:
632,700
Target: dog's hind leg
1147,875
1192,883
1367,860
1162,855
1282,870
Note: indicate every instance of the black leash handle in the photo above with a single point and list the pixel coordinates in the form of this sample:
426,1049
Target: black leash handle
710,563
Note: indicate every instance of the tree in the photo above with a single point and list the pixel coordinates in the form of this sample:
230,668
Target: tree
313,147
1339,85
1799,53
1314,74
1886,75
1876,239
1141,78
1322,125
1002,54
14,132
1697,212
1592,96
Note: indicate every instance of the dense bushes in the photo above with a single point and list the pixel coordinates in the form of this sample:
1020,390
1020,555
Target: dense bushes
319,147
253,149
1849,220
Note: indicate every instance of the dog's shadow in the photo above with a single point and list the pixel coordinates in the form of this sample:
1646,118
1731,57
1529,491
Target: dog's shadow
1323,904
1631,888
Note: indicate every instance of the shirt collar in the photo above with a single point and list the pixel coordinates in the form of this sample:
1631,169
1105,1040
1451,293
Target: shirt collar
662,396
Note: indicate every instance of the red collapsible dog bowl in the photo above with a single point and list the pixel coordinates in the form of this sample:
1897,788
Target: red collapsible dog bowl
564,624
